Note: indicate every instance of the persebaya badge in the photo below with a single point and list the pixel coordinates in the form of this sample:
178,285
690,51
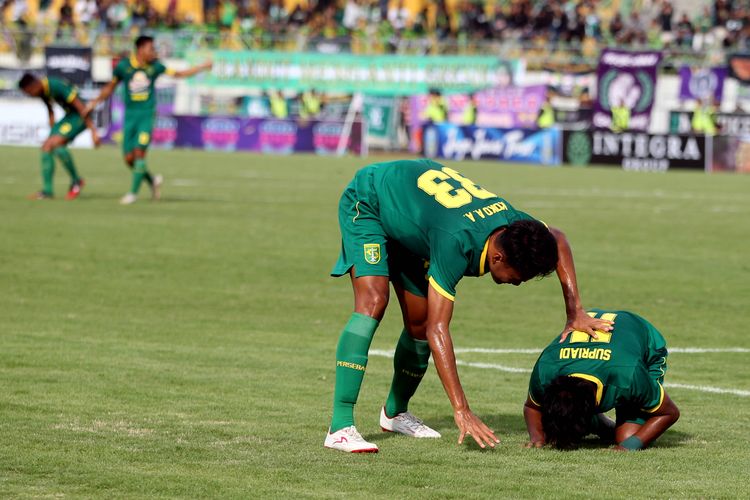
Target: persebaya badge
372,253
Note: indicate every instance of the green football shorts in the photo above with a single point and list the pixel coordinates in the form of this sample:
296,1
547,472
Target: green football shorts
136,131
366,247
68,127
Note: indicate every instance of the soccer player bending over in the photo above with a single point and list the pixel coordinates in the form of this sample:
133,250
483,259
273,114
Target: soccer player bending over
423,227
578,378
139,73
51,90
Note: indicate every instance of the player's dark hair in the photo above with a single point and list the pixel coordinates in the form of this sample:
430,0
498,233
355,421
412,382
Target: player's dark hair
568,406
529,248
26,80
143,40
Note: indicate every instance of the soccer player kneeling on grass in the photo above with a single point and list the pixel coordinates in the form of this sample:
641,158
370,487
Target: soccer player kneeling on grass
577,378
423,227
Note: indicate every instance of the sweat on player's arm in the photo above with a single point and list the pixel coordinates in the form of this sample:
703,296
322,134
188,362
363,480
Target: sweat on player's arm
423,227
575,381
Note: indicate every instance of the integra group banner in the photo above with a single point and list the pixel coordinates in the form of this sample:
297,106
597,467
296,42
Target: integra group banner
629,79
253,134
637,151
374,74
480,143
702,83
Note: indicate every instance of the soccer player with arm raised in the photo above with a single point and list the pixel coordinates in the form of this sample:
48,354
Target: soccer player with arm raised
75,121
138,73
423,227
577,379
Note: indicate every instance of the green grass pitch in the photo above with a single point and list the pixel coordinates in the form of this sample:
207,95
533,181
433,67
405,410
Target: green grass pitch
186,348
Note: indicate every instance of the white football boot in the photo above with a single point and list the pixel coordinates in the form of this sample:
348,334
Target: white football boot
407,424
156,188
350,441
128,199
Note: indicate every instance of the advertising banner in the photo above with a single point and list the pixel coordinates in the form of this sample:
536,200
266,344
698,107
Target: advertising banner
731,154
368,74
636,151
70,63
574,119
25,122
253,134
479,143
626,79
502,107
701,84
734,124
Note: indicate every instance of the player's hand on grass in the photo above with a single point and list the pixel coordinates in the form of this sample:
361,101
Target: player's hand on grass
534,444
471,425
582,322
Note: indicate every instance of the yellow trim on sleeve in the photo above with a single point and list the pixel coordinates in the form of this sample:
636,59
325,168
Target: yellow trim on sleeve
72,96
483,258
45,86
440,290
661,400
591,378
545,224
169,71
134,61
531,398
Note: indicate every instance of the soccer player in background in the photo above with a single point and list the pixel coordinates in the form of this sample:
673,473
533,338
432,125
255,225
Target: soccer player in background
51,90
423,227
576,380
139,73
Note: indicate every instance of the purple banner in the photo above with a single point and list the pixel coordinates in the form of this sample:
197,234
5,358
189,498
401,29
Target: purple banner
500,107
626,79
254,134
702,83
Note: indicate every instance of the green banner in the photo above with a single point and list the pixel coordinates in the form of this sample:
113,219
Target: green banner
382,75
379,113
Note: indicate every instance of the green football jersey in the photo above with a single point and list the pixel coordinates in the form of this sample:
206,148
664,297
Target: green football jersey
61,92
627,364
139,81
441,216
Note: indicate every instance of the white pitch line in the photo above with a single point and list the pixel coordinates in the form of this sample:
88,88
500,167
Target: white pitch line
704,350
681,350
708,388
511,369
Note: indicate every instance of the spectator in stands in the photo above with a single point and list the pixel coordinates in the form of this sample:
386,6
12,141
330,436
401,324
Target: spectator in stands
685,31
616,27
117,15
436,111
398,16
65,23
470,111
354,13
277,104
704,36
86,10
139,16
310,105
546,117
227,15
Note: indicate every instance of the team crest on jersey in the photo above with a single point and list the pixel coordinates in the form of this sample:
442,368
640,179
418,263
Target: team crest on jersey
372,253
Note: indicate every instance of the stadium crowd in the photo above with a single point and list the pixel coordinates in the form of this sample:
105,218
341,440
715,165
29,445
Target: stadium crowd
657,24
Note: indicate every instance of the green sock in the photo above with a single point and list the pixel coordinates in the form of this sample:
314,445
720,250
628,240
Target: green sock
351,361
147,176
66,159
409,366
48,172
139,172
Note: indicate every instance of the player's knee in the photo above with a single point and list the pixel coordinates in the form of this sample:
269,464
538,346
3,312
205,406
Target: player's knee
372,302
417,328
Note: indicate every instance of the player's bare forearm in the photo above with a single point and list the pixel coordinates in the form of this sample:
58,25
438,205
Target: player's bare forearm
654,427
441,344
439,313
103,95
533,417
194,70
577,319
